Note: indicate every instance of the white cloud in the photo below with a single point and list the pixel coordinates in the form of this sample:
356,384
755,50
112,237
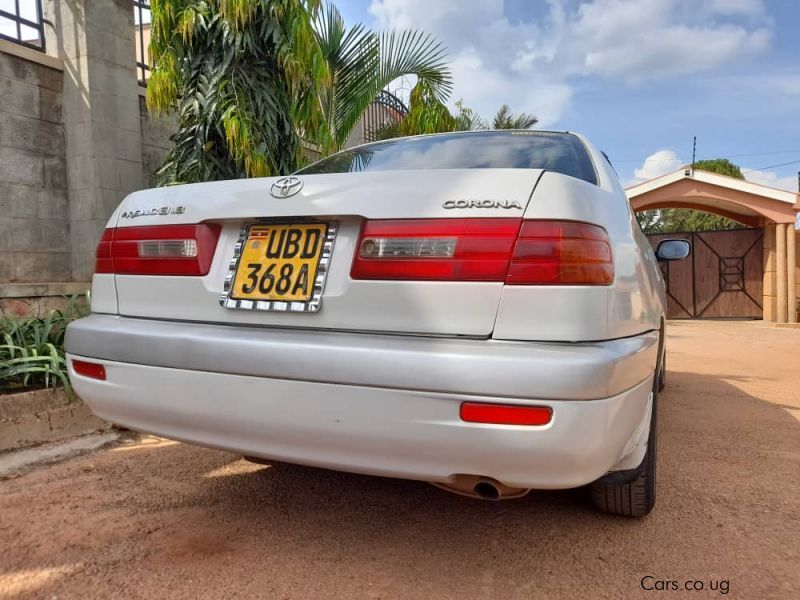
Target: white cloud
666,161
674,51
771,179
737,7
532,65
657,164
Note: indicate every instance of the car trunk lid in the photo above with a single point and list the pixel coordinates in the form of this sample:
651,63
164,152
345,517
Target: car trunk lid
345,202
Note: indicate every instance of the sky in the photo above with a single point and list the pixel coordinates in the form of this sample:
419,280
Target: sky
639,78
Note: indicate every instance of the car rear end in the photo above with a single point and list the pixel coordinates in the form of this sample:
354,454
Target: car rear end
461,309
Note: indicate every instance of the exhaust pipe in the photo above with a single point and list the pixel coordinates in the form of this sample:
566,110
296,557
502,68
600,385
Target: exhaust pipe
483,488
486,490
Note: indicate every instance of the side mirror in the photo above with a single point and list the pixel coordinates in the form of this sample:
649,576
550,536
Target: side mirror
673,250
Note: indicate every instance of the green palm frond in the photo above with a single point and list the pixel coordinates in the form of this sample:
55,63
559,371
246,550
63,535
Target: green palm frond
505,119
362,63
467,119
415,53
352,58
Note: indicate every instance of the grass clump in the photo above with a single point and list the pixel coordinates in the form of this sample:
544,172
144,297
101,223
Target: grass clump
32,352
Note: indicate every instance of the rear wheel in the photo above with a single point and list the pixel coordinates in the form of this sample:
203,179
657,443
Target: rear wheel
634,497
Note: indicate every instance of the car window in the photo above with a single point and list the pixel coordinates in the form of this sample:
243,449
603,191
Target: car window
560,152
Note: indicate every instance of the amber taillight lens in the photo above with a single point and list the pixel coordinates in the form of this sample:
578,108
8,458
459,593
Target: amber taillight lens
561,253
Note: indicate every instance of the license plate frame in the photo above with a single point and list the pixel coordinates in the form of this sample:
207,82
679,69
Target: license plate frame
227,300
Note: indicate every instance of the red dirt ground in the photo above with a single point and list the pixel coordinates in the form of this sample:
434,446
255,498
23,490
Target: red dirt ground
158,519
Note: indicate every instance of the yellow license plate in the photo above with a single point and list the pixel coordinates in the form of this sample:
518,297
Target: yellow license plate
279,262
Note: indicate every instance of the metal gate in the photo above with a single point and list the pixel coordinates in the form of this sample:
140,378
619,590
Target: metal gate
723,277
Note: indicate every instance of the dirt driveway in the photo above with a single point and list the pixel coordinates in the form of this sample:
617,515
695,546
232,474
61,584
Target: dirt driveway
158,519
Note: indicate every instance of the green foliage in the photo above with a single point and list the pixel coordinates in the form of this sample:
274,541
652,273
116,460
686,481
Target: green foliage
505,119
251,79
429,115
467,119
32,349
426,114
683,219
670,220
243,77
721,166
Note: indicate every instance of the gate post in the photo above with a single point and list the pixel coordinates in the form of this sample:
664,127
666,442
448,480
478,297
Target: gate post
770,306
791,269
780,275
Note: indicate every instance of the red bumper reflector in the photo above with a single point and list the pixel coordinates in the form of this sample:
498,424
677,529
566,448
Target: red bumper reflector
89,369
505,414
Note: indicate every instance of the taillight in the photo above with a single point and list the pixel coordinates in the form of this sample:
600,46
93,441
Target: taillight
436,249
104,263
561,253
510,250
157,250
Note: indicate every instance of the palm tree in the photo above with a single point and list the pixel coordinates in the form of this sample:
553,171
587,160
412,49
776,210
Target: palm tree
467,119
505,119
243,77
361,63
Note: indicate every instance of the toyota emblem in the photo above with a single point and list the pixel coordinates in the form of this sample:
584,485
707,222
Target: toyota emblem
286,186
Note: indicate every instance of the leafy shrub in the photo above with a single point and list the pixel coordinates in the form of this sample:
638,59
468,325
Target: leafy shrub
32,348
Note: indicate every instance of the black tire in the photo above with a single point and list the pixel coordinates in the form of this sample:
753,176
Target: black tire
662,374
634,496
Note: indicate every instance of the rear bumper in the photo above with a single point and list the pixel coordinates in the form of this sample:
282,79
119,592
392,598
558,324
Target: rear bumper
507,369
382,405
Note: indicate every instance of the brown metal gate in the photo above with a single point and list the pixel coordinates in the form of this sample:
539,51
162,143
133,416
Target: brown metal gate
723,277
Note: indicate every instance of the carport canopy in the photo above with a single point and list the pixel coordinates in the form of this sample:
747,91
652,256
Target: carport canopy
773,210
749,203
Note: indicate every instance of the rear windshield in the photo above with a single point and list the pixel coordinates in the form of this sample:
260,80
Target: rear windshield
560,152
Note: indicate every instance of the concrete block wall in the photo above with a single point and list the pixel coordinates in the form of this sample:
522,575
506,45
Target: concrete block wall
75,139
34,224
95,41
155,141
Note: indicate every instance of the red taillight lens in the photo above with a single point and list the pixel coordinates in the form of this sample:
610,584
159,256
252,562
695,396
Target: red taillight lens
561,253
158,250
510,250
104,262
89,369
435,249
505,414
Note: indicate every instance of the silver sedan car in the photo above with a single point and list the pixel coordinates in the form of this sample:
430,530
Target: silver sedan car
478,310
